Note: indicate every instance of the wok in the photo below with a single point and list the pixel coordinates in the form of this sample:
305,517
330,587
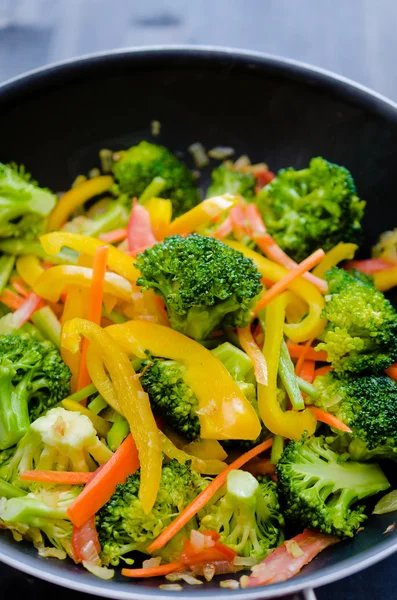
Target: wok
56,119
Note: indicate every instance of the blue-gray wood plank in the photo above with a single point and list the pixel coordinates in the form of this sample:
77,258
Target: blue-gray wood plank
355,38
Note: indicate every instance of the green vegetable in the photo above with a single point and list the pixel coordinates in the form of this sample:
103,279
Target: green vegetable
97,404
113,215
277,449
386,504
313,208
82,394
33,377
6,267
117,433
19,246
321,490
204,283
247,516
225,180
152,190
7,490
136,168
122,524
289,379
361,334
49,325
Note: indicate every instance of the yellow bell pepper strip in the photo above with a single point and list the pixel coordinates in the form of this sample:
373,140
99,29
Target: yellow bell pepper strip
55,280
312,324
75,197
341,251
101,425
118,262
205,467
29,268
223,411
206,449
75,306
289,424
131,401
202,214
147,306
385,280
160,212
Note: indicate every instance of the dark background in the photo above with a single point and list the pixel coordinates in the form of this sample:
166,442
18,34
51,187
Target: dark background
354,38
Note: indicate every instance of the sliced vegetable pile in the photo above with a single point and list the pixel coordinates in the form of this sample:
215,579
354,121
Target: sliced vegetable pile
194,381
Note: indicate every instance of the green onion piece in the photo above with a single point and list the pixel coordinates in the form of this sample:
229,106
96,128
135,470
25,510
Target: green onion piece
97,405
7,490
117,433
307,388
6,266
289,379
48,324
87,391
153,189
277,449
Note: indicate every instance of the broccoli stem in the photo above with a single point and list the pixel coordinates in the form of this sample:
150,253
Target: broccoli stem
289,379
47,322
153,189
14,414
307,388
277,449
17,247
117,433
85,392
7,490
235,360
97,405
6,266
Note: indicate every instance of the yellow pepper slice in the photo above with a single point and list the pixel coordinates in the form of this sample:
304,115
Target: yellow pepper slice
312,325
146,305
75,197
205,467
29,268
131,401
101,425
289,424
160,212
54,281
223,411
206,449
120,263
334,256
202,213
385,280
75,306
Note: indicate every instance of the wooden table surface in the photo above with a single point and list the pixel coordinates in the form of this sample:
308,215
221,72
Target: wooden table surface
355,38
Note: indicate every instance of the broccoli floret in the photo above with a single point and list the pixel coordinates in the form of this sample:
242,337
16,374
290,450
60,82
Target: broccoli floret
203,282
136,168
247,516
313,208
225,180
386,247
23,204
366,404
176,402
122,524
319,489
60,440
33,377
42,519
362,324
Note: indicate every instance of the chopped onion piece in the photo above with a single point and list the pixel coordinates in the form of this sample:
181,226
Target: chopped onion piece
171,587
101,572
46,552
209,572
390,528
221,152
230,584
293,548
242,162
245,561
190,579
155,127
173,577
199,154
155,561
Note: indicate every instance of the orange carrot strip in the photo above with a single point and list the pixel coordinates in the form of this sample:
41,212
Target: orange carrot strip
94,307
224,229
326,417
251,348
60,477
307,371
302,357
11,299
295,351
111,237
324,370
153,571
19,286
202,499
279,287
101,487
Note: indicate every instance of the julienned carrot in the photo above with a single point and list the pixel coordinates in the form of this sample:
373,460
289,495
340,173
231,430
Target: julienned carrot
102,486
17,284
392,371
328,419
308,370
153,571
59,477
251,348
279,287
369,265
224,229
303,356
324,370
94,307
11,299
117,235
295,351
202,499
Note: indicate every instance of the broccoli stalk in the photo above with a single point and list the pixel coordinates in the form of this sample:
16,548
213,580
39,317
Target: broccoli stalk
33,377
319,489
204,283
247,516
